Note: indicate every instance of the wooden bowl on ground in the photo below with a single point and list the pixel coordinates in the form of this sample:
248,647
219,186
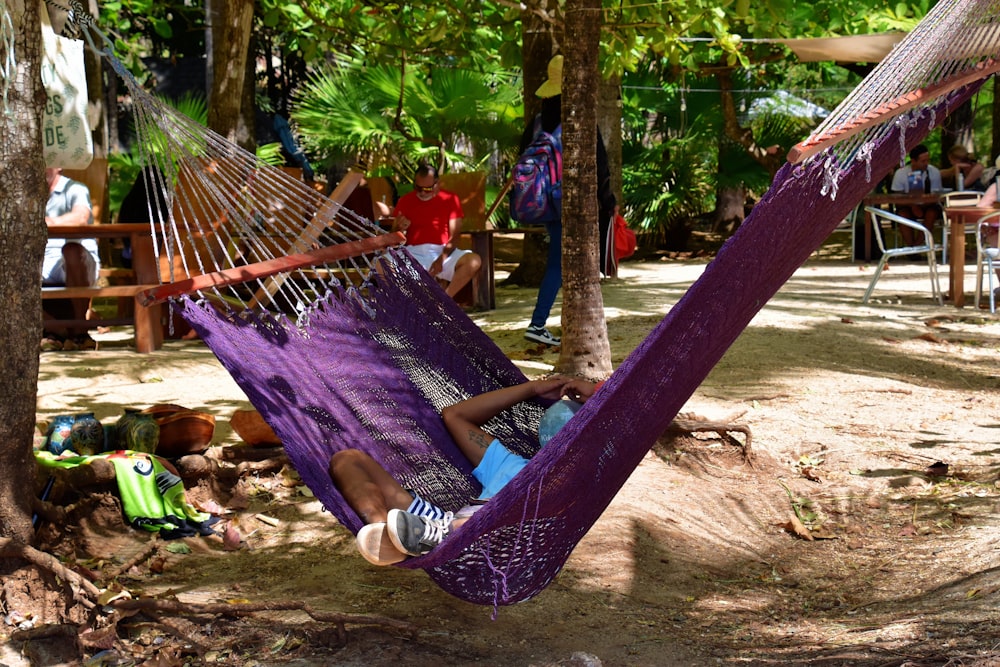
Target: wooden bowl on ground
252,428
182,431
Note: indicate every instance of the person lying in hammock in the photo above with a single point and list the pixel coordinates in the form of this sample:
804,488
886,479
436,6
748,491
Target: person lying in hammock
398,523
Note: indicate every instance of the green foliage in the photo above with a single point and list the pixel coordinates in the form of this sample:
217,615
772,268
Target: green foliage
157,28
351,111
665,186
124,167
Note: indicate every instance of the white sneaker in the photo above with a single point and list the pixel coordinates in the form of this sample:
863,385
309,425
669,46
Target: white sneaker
541,335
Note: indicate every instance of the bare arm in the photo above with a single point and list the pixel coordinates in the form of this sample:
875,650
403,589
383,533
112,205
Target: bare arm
454,231
78,215
465,419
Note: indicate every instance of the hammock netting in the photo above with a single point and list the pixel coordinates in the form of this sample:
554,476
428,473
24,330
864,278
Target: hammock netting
364,350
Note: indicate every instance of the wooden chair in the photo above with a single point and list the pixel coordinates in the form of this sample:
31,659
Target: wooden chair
476,236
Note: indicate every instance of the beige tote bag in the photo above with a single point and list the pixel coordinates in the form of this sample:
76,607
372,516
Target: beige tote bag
66,137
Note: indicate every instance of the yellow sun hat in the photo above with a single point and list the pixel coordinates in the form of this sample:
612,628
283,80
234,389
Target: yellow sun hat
552,85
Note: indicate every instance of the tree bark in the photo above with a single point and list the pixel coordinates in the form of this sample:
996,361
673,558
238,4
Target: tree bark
230,22
730,209
585,349
22,242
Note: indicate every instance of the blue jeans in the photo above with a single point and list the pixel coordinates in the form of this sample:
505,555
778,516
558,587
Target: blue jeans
552,280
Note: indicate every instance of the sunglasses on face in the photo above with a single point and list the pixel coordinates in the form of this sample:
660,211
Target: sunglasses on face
425,188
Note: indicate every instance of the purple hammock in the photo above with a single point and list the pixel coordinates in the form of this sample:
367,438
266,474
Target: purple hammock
373,372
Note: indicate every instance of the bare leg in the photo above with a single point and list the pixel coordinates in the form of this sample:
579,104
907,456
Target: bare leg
366,486
465,269
77,275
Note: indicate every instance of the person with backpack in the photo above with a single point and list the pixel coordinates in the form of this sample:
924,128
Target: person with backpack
546,131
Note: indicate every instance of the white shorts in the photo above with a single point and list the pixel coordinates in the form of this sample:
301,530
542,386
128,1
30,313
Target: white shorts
426,253
54,267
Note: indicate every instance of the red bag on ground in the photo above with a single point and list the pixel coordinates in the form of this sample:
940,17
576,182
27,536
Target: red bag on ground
624,239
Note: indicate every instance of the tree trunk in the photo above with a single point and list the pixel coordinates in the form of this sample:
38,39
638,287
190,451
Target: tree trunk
22,242
729,209
585,349
95,95
230,22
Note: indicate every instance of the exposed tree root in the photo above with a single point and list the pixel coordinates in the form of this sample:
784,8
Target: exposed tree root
156,607
688,425
82,590
151,549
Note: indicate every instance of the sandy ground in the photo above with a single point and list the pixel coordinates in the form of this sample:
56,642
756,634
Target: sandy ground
696,562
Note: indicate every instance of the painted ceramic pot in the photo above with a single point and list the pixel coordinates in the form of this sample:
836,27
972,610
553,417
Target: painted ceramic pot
137,431
86,435
57,437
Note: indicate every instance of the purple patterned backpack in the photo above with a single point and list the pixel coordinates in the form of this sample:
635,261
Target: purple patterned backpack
536,190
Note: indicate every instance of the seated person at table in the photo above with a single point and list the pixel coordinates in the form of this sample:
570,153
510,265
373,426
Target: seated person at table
431,218
918,176
68,262
399,523
962,162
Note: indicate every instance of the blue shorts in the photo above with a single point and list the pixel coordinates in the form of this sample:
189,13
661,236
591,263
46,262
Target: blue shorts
499,465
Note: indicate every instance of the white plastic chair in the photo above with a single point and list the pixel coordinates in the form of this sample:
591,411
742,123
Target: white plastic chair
928,249
960,198
987,255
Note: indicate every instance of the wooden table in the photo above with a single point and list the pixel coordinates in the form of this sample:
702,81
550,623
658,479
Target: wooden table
139,233
895,199
959,217
483,289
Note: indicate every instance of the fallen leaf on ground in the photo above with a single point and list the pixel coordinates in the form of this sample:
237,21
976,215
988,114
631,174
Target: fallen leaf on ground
797,528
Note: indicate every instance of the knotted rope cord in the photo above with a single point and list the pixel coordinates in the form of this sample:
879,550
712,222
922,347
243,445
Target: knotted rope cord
215,206
956,43
8,66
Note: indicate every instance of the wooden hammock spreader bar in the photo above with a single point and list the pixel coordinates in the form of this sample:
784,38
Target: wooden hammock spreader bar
310,235
271,267
901,104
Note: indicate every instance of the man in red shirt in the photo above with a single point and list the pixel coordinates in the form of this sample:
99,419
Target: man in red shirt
431,218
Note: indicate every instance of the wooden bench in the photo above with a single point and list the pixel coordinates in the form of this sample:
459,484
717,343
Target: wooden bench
145,319
144,274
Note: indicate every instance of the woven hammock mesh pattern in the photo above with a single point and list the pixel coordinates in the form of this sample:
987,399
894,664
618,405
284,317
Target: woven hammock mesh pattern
364,352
